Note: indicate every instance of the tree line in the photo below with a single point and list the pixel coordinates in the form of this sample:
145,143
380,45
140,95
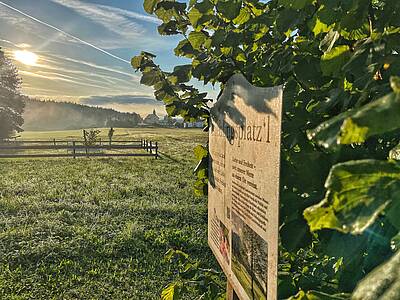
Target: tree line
54,115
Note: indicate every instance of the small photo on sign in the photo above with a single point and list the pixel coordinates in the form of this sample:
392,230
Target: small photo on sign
224,246
249,259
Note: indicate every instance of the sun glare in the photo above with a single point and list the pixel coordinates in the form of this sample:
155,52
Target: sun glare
26,57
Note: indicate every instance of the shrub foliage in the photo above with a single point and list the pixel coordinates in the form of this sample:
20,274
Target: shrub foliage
339,64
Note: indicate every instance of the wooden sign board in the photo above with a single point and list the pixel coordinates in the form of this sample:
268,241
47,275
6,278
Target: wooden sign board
244,145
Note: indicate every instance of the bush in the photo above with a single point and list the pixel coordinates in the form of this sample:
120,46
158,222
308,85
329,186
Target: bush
339,64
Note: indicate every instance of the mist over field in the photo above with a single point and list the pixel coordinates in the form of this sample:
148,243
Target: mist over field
142,105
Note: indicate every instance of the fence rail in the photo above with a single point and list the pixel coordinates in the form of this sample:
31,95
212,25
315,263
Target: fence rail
54,141
73,148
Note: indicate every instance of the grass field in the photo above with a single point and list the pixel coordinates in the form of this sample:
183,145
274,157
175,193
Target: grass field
98,228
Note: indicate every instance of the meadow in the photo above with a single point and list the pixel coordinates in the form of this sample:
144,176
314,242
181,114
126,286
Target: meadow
98,228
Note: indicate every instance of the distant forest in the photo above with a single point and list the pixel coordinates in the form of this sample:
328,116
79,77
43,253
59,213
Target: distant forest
52,115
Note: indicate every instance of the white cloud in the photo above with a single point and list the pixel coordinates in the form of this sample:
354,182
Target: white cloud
22,26
56,59
59,77
141,104
111,14
123,23
26,31
24,45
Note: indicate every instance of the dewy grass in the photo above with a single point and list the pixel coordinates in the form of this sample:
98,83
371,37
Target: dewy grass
98,228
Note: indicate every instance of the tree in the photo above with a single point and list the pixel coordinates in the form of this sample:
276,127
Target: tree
339,64
90,137
11,101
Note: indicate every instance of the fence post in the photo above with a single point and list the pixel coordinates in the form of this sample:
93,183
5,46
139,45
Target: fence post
151,147
73,149
156,150
100,141
54,142
146,146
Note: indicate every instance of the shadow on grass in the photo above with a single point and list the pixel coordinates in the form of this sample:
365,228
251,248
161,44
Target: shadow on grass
163,154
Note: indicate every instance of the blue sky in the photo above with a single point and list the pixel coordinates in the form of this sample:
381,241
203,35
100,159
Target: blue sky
70,70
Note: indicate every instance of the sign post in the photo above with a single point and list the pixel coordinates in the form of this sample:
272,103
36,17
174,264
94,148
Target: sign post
243,224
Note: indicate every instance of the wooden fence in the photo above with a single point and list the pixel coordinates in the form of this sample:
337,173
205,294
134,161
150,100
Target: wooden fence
18,149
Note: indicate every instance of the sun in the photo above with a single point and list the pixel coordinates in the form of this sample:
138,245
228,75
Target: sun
26,57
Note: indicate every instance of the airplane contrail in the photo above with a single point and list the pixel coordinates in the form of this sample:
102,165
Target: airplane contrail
65,33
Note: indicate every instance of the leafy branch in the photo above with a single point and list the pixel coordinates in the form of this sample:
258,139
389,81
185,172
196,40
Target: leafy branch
341,120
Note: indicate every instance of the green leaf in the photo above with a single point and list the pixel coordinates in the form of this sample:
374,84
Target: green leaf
295,4
218,38
240,55
136,61
377,117
230,9
356,34
243,17
200,152
171,292
148,54
327,133
201,13
318,27
184,48
149,5
200,187
206,6
330,12
150,78
287,19
308,71
197,39
356,15
382,283
166,97
357,193
395,83
352,133
164,14
181,74
194,16
166,10
333,61
338,264
168,28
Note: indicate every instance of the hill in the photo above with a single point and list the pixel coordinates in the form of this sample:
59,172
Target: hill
51,115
